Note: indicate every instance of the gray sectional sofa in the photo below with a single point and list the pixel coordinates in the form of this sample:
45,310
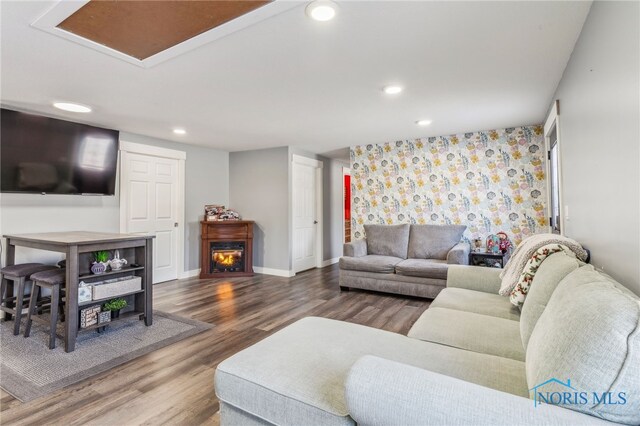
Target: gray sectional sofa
404,259
471,358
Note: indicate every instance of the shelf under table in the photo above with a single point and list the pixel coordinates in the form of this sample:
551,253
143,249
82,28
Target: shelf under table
119,271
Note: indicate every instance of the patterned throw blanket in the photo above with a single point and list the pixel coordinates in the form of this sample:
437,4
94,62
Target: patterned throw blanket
519,293
527,248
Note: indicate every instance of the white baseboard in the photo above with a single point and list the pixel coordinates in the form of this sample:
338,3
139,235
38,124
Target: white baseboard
272,271
189,274
330,261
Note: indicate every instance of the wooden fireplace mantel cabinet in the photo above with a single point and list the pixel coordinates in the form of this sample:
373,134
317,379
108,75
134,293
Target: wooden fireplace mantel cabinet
226,231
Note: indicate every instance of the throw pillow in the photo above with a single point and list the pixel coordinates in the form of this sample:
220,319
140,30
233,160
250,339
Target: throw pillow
519,293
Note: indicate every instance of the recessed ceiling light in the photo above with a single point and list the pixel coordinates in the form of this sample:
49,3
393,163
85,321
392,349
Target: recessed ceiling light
68,106
393,89
423,122
321,10
180,131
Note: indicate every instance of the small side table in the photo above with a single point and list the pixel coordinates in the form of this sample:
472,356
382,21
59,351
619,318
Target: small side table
488,259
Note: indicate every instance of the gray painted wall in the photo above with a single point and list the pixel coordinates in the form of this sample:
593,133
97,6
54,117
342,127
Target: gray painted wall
24,213
267,173
600,139
207,182
258,187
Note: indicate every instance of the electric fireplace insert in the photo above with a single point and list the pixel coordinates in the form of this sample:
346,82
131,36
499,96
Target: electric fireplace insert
227,257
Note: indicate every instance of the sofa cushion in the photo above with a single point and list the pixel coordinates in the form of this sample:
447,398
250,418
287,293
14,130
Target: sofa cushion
387,240
589,333
297,375
478,302
545,281
392,283
470,331
427,268
370,263
433,241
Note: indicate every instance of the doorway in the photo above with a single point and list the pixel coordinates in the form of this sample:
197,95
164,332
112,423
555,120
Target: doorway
152,202
346,202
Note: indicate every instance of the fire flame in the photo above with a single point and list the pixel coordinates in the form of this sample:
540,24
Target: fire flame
225,258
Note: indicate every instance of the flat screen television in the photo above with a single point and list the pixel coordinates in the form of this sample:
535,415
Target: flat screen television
49,156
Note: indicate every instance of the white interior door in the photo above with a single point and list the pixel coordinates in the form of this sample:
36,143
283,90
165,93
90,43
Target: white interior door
304,217
152,188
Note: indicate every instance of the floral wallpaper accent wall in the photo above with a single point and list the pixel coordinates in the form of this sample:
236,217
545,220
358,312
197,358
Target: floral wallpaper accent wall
490,181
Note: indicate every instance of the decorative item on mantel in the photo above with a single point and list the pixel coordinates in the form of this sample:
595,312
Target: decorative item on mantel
214,213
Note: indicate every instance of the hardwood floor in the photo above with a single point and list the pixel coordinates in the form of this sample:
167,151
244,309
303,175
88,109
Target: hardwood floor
174,385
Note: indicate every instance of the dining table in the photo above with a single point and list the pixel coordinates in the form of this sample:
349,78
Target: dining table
78,248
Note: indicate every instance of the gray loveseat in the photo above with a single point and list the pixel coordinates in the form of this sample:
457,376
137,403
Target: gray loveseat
404,259
471,358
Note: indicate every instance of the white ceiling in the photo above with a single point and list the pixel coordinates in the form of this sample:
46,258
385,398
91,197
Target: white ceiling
289,80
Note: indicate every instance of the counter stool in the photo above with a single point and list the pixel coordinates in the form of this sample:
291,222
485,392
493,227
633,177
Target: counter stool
20,274
52,280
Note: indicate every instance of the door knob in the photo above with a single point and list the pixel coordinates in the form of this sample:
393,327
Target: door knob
175,225
315,222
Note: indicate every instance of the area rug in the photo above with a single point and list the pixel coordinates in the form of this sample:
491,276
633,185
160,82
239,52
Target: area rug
29,369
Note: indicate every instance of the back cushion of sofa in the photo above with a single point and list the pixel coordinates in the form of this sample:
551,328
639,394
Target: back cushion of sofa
551,271
433,241
588,336
387,240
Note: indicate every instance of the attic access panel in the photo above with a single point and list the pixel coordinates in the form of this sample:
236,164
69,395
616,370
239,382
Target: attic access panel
141,29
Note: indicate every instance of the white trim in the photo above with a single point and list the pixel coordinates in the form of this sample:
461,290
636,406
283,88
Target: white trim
551,118
319,217
553,122
306,161
60,11
271,271
188,274
330,261
154,151
346,171
180,238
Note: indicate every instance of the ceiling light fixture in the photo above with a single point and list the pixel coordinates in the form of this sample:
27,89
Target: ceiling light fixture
321,10
72,107
180,131
393,89
423,122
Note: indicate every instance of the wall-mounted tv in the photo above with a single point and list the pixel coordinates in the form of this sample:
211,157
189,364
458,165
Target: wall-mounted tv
49,156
